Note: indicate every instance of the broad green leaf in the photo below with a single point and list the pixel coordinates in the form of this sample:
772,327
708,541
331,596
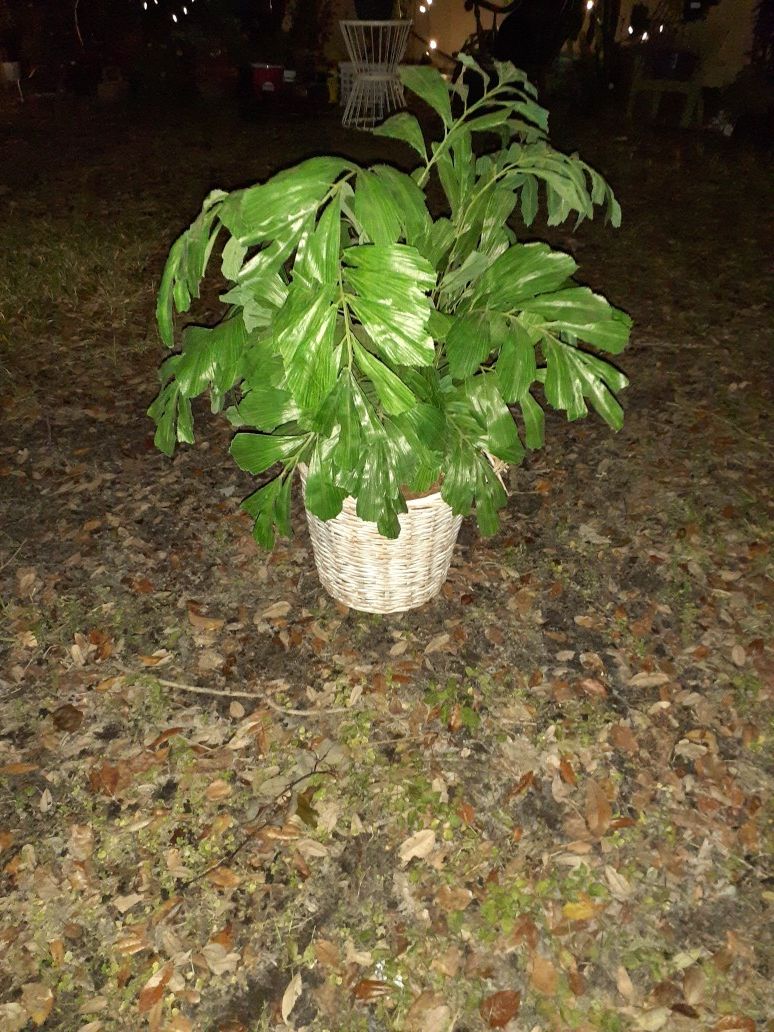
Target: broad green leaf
595,388
409,200
516,365
211,357
164,312
521,272
232,258
163,411
320,260
586,315
529,200
472,268
468,343
534,421
321,496
375,210
459,478
269,507
404,127
562,384
428,84
391,300
256,453
394,395
265,408
304,334
347,451
280,205
490,498
501,435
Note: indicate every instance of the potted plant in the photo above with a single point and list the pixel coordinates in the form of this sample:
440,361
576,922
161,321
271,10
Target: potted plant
392,356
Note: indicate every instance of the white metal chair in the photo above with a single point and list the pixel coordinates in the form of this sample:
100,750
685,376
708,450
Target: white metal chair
376,48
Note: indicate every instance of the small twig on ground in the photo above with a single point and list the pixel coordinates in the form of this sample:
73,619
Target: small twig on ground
256,829
255,696
77,23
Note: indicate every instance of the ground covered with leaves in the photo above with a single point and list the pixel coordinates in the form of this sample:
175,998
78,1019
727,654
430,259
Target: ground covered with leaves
539,803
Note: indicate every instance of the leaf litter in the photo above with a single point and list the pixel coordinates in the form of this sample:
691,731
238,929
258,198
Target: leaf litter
542,802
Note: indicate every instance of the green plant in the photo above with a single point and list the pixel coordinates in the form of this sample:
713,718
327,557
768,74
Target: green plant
386,349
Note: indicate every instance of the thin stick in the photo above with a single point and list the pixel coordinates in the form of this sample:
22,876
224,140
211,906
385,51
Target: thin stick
255,696
77,25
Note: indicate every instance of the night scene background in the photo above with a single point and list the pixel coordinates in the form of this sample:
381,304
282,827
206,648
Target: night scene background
545,798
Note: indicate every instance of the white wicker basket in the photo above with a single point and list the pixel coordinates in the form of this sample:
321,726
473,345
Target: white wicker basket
368,572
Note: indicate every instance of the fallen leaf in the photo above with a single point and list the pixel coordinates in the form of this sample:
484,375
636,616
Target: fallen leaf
13,1017
37,1000
370,989
67,718
224,878
625,984
652,1020
153,989
103,779
18,768
618,885
543,975
205,623
581,910
290,996
428,1013
453,898
276,612
327,953
419,845
694,982
437,643
622,737
598,811
218,789
81,841
499,1008
734,1023
649,680
219,960
124,904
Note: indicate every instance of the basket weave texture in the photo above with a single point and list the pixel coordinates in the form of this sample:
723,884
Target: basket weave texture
374,574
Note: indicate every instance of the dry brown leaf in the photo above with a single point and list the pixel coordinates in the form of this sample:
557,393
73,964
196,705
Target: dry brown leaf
598,810
453,898
224,878
153,989
370,989
543,975
103,780
13,1017
37,1000
734,1023
67,718
327,953
694,983
618,885
219,960
500,1008
18,768
81,841
205,623
417,846
625,984
276,612
649,680
436,644
290,996
6,840
428,1013
622,737
218,789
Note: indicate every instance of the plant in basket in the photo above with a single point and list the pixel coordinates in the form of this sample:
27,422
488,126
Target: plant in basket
392,355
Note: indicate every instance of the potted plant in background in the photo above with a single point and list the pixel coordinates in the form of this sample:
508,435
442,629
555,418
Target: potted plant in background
392,356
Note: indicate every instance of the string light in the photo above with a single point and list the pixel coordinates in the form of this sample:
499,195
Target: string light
422,9
631,31
433,44
645,37
589,5
661,28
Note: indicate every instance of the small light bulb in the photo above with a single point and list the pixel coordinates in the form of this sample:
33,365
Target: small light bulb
145,6
589,5
433,44
631,31
422,9
645,37
185,10
661,28
174,17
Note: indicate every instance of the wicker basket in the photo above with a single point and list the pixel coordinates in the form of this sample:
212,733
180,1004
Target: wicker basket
366,571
